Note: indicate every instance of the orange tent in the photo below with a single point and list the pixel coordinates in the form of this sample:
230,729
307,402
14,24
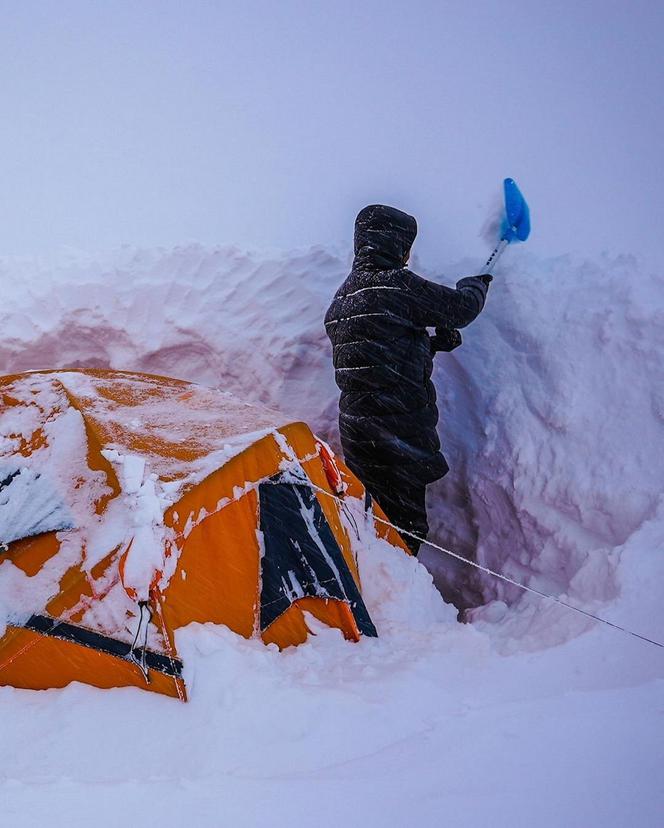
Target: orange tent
132,505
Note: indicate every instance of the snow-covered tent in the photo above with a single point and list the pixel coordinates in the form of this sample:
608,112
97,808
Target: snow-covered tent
132,505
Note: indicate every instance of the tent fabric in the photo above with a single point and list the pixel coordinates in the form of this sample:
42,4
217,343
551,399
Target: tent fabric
301,556
161,500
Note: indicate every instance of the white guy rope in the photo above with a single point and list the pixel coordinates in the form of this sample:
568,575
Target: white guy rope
505,578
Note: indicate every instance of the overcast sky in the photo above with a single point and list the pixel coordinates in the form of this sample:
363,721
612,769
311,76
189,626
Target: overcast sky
272,123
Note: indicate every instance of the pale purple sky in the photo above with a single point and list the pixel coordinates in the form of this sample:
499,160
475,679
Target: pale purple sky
272,123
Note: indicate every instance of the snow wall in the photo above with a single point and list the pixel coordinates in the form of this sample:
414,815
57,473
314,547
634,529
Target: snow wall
552,411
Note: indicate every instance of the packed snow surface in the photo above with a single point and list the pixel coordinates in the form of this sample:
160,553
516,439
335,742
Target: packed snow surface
552,419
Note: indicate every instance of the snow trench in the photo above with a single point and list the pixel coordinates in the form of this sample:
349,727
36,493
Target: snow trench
552,411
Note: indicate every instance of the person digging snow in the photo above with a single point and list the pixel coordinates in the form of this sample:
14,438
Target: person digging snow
383,361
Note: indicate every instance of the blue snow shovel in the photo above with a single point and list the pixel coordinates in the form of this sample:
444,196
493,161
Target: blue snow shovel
515,226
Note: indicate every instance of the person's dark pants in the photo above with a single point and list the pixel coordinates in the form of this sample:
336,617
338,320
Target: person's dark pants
404,502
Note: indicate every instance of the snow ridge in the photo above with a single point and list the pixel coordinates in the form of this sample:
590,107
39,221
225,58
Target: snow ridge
552,417
551,411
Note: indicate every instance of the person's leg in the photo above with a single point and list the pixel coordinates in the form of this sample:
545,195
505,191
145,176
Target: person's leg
418,523
404,502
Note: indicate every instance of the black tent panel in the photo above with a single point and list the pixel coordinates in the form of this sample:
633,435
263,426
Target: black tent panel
46,625
301,556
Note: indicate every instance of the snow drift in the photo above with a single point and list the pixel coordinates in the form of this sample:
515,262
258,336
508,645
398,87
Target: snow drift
552,418
552,412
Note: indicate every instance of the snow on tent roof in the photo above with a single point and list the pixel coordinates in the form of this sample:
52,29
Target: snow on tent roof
180,432
121,491
155,417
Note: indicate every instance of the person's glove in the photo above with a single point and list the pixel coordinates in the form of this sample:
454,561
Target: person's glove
445,339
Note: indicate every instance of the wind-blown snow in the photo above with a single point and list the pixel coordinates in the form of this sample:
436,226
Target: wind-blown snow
552,418
35,505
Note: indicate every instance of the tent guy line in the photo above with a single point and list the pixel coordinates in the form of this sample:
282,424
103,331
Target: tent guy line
505,578
288,451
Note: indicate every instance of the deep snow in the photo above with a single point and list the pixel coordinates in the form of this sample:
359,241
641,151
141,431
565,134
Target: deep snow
552,417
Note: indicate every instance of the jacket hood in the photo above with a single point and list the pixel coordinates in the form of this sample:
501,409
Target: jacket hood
383,236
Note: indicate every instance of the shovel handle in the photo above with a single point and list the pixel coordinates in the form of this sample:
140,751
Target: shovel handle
493,258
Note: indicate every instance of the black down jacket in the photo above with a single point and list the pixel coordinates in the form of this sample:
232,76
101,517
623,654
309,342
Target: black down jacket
382,352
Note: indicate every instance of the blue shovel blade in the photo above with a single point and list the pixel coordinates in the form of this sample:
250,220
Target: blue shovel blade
516,222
